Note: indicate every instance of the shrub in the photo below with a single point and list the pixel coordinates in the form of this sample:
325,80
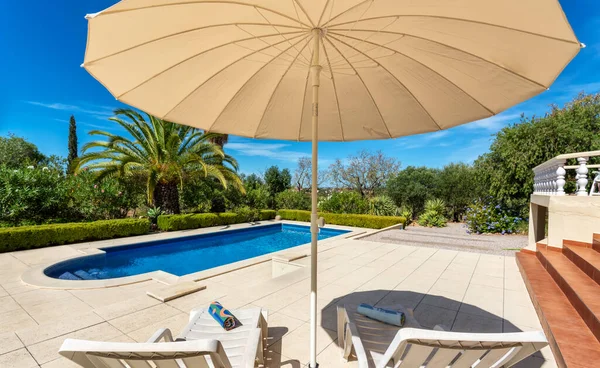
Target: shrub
434,214
247,214
368,221
482,218
344,202
293,199
264,215
258,198
199,220
383,206
27,237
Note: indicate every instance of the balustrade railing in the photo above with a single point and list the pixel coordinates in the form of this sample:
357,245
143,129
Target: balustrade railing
550,177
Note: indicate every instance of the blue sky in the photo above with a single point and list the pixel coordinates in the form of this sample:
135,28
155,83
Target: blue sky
43,43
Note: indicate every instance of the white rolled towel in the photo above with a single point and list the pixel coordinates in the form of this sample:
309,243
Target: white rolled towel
390,317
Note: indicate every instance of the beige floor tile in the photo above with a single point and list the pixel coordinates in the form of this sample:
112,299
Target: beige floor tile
453,286
175,324
61,363
7,304
3,292
13,320
274,359
278,300
41,296
17,359
143,318
358,277
34,257
201,298
47,351
57,309
9,342
522,316
489,281
443,299
331,357
300,308
517,297
17,286
514,283
296,344
429,316
281,325
126,306
466,322
46,331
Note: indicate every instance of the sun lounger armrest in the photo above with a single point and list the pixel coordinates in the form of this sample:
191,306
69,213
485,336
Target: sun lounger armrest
163,333
348,338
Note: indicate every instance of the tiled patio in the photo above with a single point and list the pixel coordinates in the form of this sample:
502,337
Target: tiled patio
463,291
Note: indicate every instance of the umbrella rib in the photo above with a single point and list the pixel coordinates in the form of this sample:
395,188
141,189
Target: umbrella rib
108,11
203,52
346,11
265,18
300,30
246,82
417,61
461,50
312,25
337,101
323,12
276,87
459,20
408,90
366,88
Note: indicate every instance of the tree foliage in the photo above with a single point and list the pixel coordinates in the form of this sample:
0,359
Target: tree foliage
293,200
413,186
72,156
344,202
367,173
457,188
16,152
277,180
164,152
506,171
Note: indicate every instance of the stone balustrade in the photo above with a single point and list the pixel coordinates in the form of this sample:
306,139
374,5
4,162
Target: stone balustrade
549,177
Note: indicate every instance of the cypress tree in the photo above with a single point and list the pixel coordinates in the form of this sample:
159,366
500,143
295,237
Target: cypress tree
72,158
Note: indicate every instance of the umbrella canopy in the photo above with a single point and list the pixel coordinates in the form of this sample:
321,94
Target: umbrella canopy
334,70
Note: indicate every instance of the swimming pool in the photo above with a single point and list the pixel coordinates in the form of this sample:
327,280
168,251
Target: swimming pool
185,255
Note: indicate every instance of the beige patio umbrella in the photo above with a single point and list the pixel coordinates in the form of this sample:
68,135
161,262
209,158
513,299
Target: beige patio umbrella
329,70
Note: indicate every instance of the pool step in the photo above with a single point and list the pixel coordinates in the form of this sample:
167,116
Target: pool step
84,275
69,276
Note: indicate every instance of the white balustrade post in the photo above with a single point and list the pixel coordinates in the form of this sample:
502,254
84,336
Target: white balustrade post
582,180
560,178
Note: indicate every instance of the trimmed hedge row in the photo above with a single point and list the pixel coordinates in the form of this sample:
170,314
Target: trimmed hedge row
368,221
198,220
27,237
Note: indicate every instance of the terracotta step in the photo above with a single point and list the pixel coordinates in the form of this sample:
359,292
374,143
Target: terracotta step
572,342
582,292
586,258
596,242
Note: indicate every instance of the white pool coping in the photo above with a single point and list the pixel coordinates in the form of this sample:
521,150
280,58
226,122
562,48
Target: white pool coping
36,276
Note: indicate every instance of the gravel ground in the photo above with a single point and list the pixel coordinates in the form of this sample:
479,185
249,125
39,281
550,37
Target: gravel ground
453,236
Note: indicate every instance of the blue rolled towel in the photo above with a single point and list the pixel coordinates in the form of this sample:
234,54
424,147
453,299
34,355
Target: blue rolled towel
223,316
390,317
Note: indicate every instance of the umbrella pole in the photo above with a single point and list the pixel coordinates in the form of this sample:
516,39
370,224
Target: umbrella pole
315,70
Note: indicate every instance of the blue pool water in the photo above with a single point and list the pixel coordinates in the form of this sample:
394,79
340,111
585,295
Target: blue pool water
186,255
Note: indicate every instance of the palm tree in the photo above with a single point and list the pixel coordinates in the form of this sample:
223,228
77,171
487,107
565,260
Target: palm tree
218,139
164,152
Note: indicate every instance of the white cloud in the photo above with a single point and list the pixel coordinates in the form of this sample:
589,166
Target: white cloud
422,140
270,150
493,123
98,112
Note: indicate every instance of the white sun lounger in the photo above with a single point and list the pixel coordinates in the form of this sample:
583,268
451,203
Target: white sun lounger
203,343
380,345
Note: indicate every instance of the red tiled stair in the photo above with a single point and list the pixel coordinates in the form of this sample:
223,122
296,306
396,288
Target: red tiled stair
566,299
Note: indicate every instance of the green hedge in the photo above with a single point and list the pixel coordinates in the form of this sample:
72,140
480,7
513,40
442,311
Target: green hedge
368,221
198,220
27,237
